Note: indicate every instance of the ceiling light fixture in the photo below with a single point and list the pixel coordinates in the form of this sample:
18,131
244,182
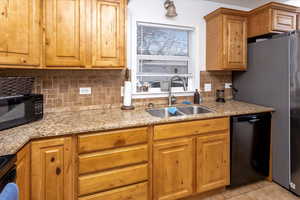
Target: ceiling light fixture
171,9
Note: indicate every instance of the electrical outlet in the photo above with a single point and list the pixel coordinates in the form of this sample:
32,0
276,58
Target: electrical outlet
207,87
85,90
228,85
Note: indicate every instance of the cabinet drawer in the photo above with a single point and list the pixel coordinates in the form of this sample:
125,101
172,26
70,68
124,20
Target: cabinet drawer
98,161
111,179
190,128
284,21
112,139
138,192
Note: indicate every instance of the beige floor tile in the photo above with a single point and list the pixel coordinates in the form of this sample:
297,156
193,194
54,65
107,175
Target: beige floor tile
271,192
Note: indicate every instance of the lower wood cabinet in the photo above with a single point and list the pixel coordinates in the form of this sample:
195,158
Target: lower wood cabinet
195,163
23,173
132,192
212,161
173,169
128,164
52,168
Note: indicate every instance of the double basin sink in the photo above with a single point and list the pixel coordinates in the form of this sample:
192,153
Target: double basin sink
181,111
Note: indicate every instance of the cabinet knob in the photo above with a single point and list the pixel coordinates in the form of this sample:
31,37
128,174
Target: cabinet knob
23,60
47,42
58,171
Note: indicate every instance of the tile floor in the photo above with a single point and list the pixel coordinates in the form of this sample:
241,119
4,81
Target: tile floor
259,191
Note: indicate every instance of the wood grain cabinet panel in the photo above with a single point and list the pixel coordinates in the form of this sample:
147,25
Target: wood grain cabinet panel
272,18
93,162
235,41
111,139
181,129
226,42
65,33
284,21
212,161
23,172
133,192
173,169
98,182
19,32
52,169
108,33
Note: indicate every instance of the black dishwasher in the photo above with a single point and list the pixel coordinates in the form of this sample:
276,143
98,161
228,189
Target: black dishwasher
250,148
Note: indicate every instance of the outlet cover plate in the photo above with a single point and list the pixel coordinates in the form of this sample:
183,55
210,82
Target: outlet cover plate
228,85
207,87
85,90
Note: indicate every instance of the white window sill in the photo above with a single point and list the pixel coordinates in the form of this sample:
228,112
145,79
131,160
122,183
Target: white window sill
147,95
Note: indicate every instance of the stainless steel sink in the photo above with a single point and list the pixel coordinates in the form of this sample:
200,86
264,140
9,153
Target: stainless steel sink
193,110
181,111
163,112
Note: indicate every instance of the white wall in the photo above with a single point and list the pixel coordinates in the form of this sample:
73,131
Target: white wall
190,13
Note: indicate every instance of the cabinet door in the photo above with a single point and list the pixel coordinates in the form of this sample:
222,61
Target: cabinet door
284,21
212,162
52,170
108,33
19,32
23,173
235,42
65,32
173,169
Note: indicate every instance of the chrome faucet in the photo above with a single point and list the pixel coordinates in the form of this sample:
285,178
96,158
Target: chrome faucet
171,98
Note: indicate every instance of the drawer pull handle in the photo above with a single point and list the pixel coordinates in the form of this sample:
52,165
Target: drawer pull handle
58,171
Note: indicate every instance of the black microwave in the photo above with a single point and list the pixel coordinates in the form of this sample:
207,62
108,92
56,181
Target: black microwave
18,110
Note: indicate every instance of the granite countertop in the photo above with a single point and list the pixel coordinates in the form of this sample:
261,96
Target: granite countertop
68,123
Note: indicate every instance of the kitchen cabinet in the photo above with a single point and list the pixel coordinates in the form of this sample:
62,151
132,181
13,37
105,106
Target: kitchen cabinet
226,43
52,169
272,18
161,162
113,165
19,31
212,161
173,171
23,172
196,161
108,33
64,33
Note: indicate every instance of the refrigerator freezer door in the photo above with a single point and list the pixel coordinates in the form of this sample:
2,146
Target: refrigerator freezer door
295,112
266,82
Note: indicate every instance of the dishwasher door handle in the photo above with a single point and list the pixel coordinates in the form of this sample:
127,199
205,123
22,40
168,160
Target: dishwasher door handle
252,121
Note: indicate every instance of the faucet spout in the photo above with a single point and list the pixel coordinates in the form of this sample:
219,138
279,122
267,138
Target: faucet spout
172,99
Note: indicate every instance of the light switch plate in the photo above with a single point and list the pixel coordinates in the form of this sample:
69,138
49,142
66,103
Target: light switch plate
85,90
207,87
228,85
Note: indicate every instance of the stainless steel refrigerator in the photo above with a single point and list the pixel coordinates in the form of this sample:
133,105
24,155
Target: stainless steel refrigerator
273,79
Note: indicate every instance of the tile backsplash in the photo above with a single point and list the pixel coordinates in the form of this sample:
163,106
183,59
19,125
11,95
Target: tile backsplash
61,87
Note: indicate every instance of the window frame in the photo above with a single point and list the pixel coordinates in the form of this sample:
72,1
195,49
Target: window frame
195,75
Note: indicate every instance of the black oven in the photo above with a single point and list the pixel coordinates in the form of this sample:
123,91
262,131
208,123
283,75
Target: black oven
18,110
7,170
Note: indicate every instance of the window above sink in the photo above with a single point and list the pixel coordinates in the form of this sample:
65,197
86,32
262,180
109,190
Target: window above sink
161,52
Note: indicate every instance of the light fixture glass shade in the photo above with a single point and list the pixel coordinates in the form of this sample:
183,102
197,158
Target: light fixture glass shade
171,9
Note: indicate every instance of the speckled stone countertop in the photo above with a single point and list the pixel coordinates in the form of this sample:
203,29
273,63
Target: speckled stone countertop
67,123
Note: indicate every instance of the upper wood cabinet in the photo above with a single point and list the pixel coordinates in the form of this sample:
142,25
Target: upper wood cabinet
65,33
108,33
173,165
212,161
19,32
52,169
226,40
272,18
